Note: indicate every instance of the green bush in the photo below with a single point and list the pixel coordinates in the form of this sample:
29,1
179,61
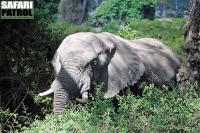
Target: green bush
156,111
122,10
59,31
24,68
26,49
112,27
128,33
4,113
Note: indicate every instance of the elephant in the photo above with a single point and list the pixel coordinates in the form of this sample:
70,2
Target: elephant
83,58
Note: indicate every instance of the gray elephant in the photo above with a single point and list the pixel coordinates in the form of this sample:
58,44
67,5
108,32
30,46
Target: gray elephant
83,58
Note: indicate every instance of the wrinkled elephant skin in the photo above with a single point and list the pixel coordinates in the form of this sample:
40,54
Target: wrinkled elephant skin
84,58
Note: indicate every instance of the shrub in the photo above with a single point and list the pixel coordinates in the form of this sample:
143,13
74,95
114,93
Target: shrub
26,49
111,27
59,31
156,111
24,67
128,33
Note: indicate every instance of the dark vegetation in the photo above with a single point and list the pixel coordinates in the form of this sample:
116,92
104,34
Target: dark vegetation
27,47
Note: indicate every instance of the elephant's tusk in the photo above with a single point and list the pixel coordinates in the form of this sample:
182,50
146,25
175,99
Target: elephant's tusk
46,92
84,98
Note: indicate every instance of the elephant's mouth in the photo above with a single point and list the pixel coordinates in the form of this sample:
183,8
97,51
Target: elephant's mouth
83,92
84,87
85,82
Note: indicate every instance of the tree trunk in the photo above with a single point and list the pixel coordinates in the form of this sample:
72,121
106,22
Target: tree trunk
189,73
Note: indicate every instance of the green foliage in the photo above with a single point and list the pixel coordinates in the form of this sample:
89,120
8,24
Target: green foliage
171,111
59,31
121,10
4,113
26,49
10,121
156,111
24,67
47,11
128,33
44,103
111,27
167,31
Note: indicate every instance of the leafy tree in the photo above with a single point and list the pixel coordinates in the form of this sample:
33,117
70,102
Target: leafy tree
26,49
124,10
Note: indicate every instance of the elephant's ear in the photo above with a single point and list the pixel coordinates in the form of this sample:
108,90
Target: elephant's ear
56,64
124,68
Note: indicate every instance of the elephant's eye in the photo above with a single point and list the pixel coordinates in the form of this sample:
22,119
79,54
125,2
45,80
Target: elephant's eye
94,62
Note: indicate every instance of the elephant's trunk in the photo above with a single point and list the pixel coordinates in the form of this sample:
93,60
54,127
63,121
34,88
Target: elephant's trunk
61,100
65,88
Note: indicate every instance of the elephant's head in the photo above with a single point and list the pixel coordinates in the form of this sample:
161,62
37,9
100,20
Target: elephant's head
84,58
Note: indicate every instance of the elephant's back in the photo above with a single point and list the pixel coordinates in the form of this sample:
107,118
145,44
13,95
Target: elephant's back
150,44
152,47
160,61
